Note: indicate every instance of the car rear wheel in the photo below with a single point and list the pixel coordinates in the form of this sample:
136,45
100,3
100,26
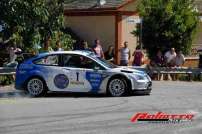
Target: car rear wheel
117,87
36,87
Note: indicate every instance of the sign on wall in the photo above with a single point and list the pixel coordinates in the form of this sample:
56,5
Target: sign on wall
134,20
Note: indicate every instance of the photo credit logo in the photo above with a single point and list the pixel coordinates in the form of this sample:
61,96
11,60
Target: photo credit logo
161,117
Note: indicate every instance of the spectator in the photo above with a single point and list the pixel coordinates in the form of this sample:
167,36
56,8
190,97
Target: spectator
179,59
159,59
84,46
58,46
47,47
125,54
12,55
170,57
97,48
36,49
80,45
77,45
13,51
109,54
138,57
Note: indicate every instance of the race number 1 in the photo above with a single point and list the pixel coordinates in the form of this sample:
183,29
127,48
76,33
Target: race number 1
77,76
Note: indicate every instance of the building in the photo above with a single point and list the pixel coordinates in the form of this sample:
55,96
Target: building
111,21
198,40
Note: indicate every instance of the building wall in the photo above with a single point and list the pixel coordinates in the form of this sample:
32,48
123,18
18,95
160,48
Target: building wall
198,40
91,27
129,25
191,62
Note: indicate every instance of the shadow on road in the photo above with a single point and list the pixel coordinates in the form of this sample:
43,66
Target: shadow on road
74,95
24,94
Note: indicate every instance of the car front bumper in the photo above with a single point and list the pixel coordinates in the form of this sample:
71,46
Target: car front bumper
143,88
142,92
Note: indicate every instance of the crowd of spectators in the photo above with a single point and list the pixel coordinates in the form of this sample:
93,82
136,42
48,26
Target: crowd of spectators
170,58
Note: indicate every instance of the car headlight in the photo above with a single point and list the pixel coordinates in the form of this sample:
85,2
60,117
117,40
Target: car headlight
139,77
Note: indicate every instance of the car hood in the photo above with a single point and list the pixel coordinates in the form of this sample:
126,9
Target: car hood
128,70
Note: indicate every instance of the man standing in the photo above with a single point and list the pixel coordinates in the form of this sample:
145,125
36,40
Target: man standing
125,54
170,57
58,46
97,48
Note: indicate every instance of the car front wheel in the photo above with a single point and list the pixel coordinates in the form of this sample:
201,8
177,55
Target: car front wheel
117,87
36,87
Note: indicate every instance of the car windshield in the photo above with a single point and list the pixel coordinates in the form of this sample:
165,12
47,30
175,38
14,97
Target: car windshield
104,62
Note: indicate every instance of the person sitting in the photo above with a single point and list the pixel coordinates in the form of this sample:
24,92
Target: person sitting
179,59
13,54
159,59
170,57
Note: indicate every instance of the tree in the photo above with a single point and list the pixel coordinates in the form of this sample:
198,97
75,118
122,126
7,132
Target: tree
168,23
31,22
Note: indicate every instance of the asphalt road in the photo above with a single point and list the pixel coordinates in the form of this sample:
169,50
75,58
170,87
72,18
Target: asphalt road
89,114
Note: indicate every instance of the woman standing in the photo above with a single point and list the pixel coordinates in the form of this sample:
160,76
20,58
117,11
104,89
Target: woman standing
109,54
138,57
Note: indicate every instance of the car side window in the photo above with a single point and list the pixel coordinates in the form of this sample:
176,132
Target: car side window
79,61
52,60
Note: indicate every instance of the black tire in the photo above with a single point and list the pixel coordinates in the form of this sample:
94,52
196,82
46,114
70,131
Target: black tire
36,87
117,87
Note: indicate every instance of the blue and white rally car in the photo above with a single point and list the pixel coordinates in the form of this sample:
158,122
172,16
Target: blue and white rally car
78,71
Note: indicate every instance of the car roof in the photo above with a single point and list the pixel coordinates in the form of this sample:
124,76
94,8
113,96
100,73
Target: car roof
80,52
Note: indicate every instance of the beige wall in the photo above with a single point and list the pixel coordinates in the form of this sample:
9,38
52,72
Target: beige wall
198,40
91,27
129,25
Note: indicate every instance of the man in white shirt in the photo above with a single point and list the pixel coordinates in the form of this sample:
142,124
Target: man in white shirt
124,54
170,57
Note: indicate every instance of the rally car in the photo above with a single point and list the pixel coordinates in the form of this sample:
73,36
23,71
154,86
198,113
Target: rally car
78,71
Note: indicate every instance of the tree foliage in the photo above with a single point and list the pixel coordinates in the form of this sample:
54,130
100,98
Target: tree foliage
168,23
30,22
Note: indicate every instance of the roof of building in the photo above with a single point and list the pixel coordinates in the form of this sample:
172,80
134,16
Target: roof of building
199,5
110,4
92,4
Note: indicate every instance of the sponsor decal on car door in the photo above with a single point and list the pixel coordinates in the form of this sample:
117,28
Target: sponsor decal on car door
95,78
77,82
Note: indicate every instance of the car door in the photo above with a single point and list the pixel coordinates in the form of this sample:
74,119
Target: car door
85,73
94,75
76,74
55,76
